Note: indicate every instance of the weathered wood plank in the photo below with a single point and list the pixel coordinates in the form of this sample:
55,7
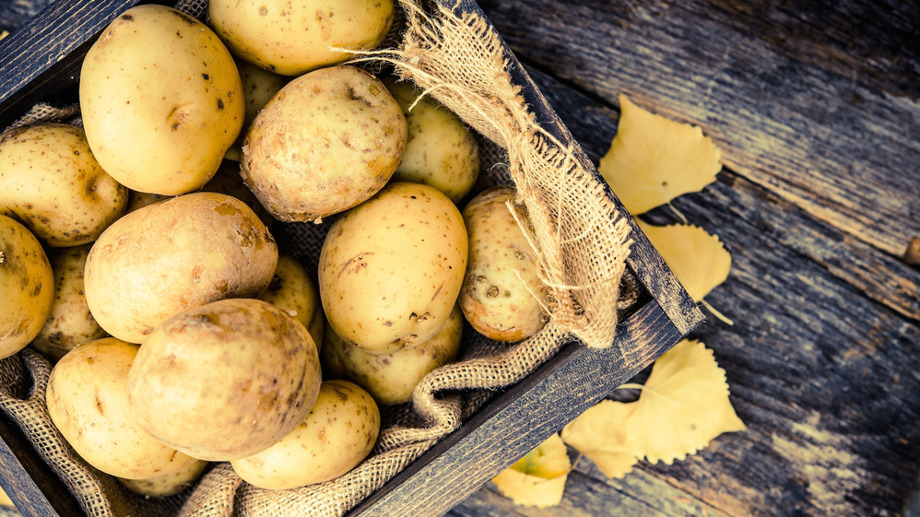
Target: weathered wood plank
886,279
640,495
781,95
822,359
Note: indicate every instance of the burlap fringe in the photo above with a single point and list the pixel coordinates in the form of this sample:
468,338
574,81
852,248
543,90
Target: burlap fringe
458,59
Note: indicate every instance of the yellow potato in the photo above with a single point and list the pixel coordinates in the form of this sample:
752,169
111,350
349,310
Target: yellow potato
51,182
441,150
293,37
502,295
174,255
225,380
161,100
169,484
259,86
88,402
391,268
70,323
327,141
391,378
334,438
294,291
26,286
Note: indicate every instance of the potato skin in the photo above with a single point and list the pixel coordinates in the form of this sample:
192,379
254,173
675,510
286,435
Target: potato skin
391,268
502,285
294,291
163,124
70,323
50,180
327,141
293,37
335,437
174,255
441,150
26,286
391,378
88,402
169,484
225,380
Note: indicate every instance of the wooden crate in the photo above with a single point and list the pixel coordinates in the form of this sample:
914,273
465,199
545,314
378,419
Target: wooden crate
41,61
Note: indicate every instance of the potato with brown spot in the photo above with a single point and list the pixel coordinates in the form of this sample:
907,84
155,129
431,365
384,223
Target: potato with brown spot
52,183
294,291
161,100
390,269
169,484
70,322
391,378
502,296
26,286
334,438
293,37
87,400
441,150
225,380
327,141
175,255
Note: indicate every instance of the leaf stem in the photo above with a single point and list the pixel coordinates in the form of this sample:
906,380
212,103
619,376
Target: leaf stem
716,313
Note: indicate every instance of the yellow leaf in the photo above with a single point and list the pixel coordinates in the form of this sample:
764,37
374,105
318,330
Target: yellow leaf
652,159
600,434
683,406
537,479
698,259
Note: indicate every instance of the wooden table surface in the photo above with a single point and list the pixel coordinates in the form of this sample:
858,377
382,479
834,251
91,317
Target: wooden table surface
814,105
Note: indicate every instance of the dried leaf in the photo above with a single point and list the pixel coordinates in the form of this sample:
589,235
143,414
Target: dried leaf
683,406
698,259
652,159
537,479
600,435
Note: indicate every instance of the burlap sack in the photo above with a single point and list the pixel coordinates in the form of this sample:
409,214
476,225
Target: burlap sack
455,56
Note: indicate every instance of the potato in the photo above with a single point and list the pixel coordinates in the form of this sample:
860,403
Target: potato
51,182
227,180
87,400
259,86
225,380
502,295
390,269
26,286
174,255
138,200
441,150
169,484
161,100
294,37
294,291
70,322
391,378
327,141
335,437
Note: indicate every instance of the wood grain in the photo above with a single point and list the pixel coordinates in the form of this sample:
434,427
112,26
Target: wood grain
822,357
819,118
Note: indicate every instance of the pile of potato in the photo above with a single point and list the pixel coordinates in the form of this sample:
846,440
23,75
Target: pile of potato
137,252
